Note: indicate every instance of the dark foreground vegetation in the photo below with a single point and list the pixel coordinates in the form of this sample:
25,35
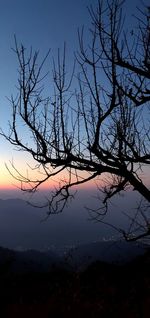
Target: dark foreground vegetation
100,290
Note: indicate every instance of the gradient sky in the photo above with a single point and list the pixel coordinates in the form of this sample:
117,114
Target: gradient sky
43,24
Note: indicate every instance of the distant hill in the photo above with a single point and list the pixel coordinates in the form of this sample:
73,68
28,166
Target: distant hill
21,229
24,226
27,261
78,258
117,252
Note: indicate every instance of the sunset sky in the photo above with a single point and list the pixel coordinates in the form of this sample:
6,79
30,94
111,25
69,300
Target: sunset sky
42,24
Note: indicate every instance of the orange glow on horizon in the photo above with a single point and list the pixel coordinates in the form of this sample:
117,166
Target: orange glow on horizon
7,182
16,187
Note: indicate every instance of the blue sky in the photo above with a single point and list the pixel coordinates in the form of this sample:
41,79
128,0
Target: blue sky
43,24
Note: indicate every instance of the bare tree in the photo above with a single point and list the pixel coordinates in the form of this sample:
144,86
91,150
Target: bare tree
101,126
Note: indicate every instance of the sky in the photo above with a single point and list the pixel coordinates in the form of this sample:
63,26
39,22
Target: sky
42,24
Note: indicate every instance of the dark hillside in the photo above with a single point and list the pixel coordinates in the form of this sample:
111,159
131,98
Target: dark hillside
101,290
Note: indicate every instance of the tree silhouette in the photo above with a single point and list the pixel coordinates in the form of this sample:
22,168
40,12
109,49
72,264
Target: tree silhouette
101,125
